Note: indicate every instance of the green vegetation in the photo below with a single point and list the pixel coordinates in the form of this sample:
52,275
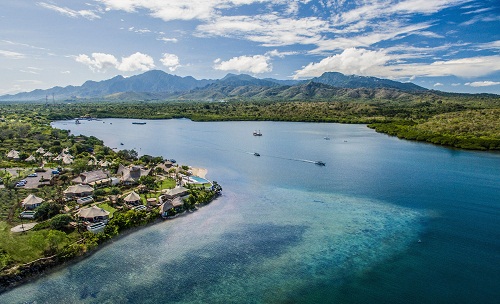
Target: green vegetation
421,118
58,235
107,207
464,121
470,129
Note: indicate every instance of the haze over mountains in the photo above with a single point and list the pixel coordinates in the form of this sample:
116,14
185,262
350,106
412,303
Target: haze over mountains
158,85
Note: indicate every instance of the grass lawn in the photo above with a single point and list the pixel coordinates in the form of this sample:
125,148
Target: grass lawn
17,245
167,183
28,246
107,207
145,196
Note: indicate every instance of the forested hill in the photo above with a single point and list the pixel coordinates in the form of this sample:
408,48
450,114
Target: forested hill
158,85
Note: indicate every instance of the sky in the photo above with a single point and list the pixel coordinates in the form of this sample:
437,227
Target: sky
447,45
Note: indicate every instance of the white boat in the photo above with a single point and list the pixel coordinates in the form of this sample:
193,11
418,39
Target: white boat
257,133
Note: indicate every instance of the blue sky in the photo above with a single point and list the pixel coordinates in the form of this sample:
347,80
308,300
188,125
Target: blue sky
449,45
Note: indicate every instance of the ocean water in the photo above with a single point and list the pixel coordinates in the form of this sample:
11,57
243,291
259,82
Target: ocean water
385,221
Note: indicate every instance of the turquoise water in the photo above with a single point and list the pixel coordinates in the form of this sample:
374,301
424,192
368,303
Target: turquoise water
289,231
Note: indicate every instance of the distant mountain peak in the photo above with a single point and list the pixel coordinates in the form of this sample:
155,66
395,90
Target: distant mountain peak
340,80
159,85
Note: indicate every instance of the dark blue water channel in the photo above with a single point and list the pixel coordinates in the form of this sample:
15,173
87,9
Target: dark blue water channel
289,231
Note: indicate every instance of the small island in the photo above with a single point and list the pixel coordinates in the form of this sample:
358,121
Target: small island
62,196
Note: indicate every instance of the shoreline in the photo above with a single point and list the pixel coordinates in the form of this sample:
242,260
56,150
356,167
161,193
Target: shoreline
32,277
52,267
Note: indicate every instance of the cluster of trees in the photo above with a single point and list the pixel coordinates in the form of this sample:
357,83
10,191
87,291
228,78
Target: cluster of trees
394,117
199,195
470,129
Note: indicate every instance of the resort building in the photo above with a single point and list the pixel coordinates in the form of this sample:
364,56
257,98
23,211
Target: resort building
91,177
78,191
67,159
13,154
170,207
131,174
93,214
40,151
31,202
31,158
175,192
132,199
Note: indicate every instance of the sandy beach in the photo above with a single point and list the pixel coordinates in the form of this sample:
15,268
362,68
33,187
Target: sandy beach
201,172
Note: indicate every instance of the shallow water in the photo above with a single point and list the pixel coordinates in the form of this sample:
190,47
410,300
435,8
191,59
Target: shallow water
289,231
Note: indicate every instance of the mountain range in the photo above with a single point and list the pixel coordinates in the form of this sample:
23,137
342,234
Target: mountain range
158,85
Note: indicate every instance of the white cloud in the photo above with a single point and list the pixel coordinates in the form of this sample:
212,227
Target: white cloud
482,83
276,53
350,61
136,62
140,31
463,67
171,61
22,44
381,9
12,55
90,15
428,34
254,64
389,31
438,84
269,30
177,9
489,45
29,71
455,84
382,64
368,23
100,62
164,39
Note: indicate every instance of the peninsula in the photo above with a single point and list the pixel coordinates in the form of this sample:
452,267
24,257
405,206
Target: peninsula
62,196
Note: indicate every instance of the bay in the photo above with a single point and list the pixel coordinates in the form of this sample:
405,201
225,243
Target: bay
289,231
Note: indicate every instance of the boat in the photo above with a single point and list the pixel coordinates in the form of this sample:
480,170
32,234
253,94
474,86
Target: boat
257,133
319,163
256,154
138,123
121,144
326,138
77,121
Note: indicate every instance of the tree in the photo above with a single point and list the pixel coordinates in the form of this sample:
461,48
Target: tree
148,181
60,221
47,242
46,211
216,187
80,165
54,239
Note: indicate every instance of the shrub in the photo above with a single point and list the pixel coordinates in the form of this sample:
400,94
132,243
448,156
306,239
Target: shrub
60,221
